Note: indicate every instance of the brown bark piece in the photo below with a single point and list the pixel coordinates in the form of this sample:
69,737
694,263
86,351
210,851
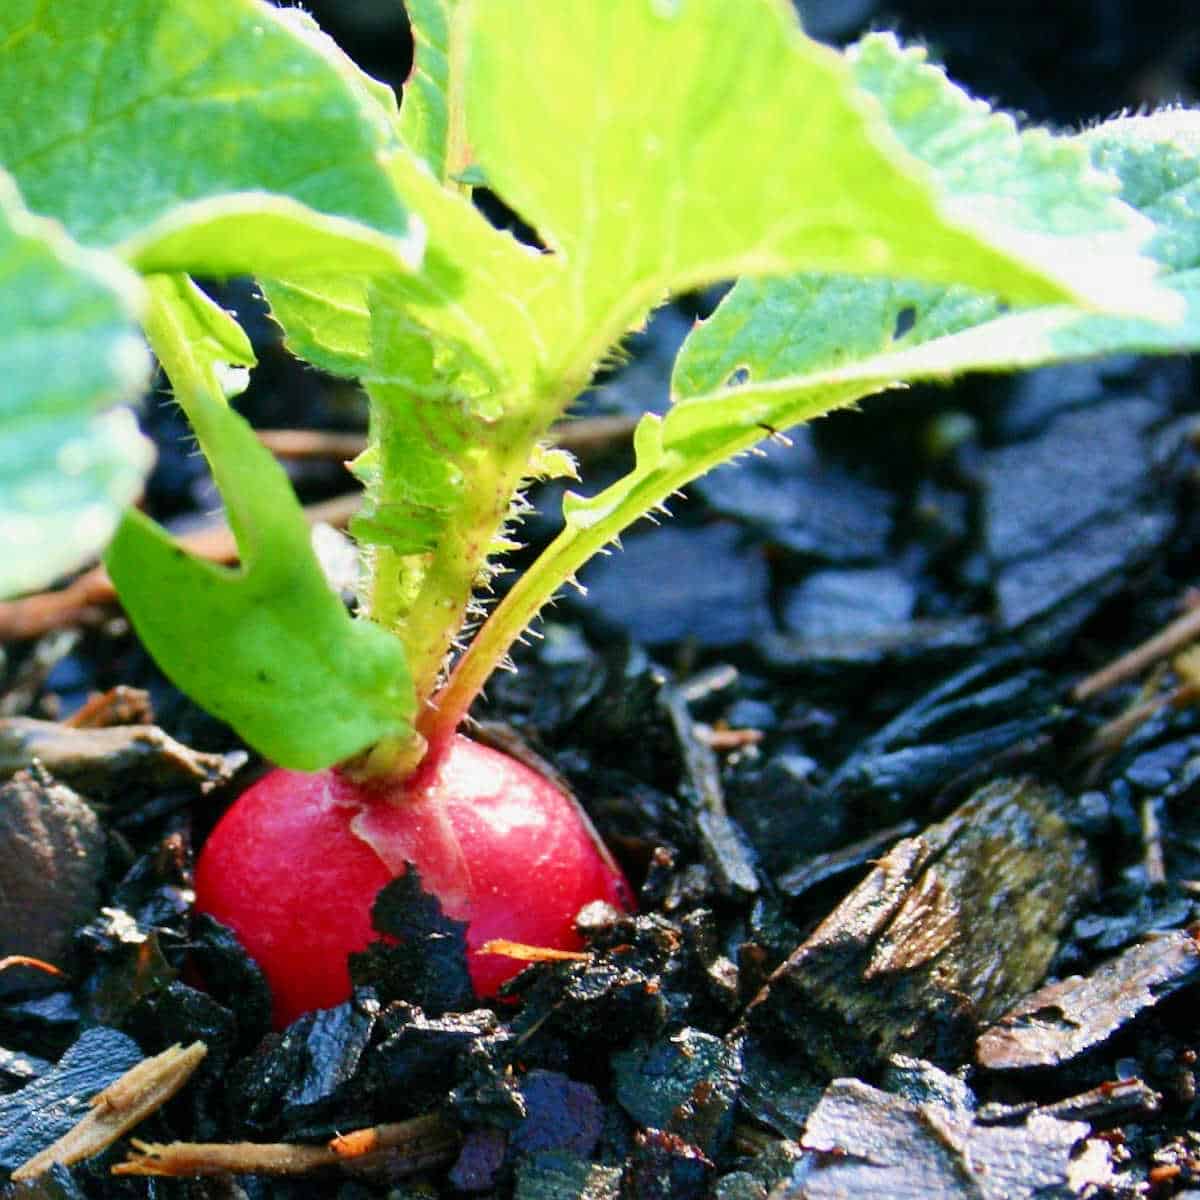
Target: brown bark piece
108,762
942,935
1109,1103
53,851
1063,1020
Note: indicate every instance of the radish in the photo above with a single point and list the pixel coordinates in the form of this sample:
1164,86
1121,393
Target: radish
295,865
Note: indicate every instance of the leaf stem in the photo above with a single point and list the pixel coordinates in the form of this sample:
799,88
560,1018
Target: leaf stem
695,436
556,565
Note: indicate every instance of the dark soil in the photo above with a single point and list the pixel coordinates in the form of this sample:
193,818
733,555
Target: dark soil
913,921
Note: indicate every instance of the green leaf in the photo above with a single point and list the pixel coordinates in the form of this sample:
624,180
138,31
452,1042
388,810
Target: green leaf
431,116
431,124
218,347
474,290
755,153
158,103
69,351
267,647
640,189
213,137
778,352
796,333
781,351
264,234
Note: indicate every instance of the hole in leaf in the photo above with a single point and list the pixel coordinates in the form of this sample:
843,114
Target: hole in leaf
906,318
504,218
739,377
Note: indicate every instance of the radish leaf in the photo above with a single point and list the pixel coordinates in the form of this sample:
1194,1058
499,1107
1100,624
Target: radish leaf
159,103
781,351
643,181
268,647
70,460
431,118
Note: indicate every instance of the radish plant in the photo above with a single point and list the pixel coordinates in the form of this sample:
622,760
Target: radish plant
654,146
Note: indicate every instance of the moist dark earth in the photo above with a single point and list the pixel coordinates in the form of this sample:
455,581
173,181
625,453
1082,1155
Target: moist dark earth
917,911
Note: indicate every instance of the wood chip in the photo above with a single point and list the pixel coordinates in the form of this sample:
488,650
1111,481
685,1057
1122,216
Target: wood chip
120,705
875,1146
1063,1020
945,933
107,762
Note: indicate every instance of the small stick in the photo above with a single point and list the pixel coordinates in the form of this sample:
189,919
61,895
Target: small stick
1170,639
312,443
398,1149
583,436
142,1090
416,1137
587,436
120,705
1111,736
23,960
82,601
224,1158
1152,843
721,737
527,953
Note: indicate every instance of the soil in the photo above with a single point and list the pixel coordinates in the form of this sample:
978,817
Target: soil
917,893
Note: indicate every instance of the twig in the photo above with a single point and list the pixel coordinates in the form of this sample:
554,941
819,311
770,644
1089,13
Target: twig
312,443
583,436
120,705
527,953
83,601
1167,641
142,1090
721,737
1111,736
395,1150
1153,858
224,1158
23,960
589,436
417,1138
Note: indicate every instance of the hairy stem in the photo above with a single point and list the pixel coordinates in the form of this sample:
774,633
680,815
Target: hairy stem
556,565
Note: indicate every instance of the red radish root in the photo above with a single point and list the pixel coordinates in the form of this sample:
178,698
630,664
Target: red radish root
295,864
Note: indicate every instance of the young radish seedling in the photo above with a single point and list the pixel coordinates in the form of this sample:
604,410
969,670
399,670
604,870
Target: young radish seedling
655,146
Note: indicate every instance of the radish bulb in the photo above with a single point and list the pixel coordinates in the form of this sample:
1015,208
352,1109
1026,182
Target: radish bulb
294,866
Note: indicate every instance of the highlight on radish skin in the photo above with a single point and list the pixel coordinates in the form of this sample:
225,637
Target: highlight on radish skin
294,867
